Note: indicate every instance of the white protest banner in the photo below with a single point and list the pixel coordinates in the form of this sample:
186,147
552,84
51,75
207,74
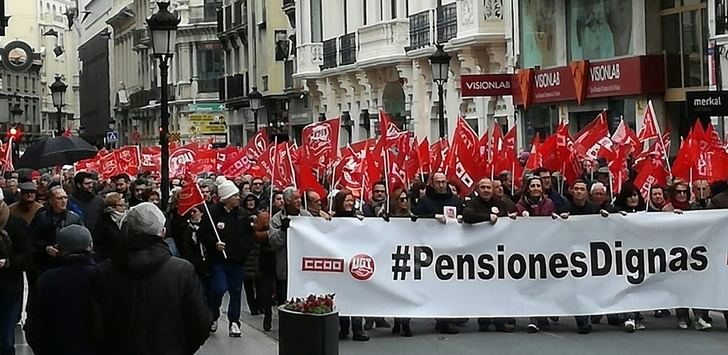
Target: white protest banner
533,266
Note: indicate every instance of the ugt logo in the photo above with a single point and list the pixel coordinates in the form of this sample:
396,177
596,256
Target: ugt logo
361,267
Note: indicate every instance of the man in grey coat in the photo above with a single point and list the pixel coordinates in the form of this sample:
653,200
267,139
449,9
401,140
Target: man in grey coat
278,237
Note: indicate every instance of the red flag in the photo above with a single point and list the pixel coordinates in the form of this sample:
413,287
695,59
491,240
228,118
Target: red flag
624,135
347,170
180,158
618,167
67,133
307,180
652,173
151,159
321,142
424,154
462,167
6,156
189,197
590,139
128,160
240,162
649,125
535,159
509,141
284,174
438,153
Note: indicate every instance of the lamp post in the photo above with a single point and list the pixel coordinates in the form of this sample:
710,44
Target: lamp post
58,90
255,97
163,27
440,62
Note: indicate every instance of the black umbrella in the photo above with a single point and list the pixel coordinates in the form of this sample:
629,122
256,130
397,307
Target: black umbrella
55,151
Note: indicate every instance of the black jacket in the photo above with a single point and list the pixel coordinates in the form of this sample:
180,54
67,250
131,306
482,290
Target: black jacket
44,227
588,208
190,238
106,236
61,317
478,210
147,302
91,205
235,231
19,254
433,203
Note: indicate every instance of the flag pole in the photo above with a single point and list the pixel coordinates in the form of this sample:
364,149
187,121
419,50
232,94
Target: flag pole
290,163
659,136
513,177
386,178
273,175
214,228
649,189
331,188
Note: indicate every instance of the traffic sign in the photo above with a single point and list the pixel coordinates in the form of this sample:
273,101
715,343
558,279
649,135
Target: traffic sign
112,136
207,107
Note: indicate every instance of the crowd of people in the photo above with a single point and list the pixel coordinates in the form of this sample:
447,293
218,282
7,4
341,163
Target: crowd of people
109,272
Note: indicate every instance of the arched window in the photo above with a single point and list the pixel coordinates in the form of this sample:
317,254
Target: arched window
54,9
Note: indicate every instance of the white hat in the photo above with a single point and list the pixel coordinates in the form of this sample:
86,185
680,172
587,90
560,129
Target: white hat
226,189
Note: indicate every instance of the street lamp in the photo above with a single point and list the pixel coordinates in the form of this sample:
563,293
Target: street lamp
58,90
440,62
163,26
16,112
255,97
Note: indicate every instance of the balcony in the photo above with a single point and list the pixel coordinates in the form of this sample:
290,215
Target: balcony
721,17
447,22
221,89
383,41
419,30
204,14
220,18
309,59
236,86
329,55
207,85
347,48
240,20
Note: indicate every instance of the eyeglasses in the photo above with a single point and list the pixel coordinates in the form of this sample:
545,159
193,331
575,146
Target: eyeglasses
379,191
681,192
534,185
257,183
62,198
403,199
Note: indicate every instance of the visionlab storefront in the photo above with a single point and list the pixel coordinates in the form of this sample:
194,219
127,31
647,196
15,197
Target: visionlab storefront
580,91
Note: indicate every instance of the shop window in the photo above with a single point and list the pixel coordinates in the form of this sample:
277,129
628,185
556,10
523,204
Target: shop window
599,29
538,33
543,120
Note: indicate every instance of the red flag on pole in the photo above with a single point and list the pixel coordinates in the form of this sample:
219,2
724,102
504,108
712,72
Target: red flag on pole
321,142
588,140
649,128
189,197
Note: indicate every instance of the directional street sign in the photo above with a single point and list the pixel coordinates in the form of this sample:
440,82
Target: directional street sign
112,136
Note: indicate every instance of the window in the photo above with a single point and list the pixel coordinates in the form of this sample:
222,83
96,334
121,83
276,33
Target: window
316,21
685,38
420,30
17,83
364,11
393,4
8,83
209,66
447,22
25,83
32,88
265,82
538,34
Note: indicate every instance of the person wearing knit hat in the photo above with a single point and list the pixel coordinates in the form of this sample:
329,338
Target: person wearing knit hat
61,311
73,239
227,256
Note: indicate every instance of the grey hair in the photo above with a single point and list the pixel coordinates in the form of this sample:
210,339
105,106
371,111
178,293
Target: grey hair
597,185
145,218
288,193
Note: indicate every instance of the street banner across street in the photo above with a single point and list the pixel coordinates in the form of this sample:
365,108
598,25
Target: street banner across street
528,267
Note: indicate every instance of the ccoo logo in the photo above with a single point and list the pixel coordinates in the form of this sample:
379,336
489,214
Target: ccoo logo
361,267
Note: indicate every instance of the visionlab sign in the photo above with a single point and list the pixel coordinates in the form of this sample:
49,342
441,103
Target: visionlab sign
706,103
486,85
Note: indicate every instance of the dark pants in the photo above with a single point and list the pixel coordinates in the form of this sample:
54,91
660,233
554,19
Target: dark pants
228,278
281,289
251,296
356,324
499,322
11,302
265,287
683,314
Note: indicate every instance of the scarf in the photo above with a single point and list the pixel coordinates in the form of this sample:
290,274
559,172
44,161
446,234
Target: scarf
117,217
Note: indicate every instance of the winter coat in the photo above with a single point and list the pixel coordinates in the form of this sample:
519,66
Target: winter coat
61,317
373,209
25,212
545,207
146,302
561,203
235,231
434,203
44,227
719,201
91,205
587,209
189,239
278,238
16,247
106,236
266,259
479,210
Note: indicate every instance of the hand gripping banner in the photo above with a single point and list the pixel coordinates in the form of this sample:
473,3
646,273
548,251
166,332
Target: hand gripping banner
516,268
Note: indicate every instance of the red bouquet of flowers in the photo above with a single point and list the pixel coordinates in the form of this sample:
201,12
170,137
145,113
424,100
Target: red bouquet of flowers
312,304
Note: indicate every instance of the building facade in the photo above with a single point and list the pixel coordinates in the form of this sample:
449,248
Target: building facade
579,58
356,57
42,26
258,39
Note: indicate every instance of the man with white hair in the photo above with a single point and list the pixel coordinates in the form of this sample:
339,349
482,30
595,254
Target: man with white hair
278,237
598,195
145,301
